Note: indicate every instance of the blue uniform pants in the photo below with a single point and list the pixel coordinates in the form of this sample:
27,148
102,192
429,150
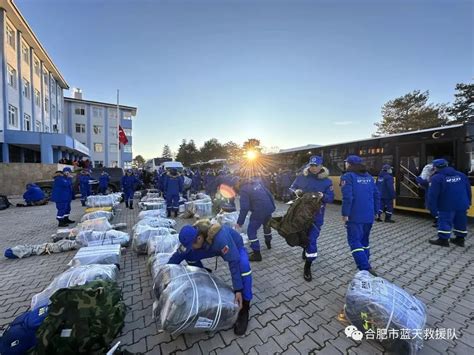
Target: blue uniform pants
128,195
85,191
358,240
254,224
455,221
386,205
102,190
312,247
172,202
63,209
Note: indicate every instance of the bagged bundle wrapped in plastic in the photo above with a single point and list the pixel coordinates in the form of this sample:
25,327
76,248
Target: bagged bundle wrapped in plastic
97,214
110,200
165,243
191,300
157,261
25,251
187,182
199,208
152,205
156,222
97,224
153,214
98,254
152,196
230,219
374,303
143,233
92,238
73,277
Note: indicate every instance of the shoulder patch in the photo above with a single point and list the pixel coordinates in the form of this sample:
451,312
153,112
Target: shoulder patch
225,250
331,188
343,182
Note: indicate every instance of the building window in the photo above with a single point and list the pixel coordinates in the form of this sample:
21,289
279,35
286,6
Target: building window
97,129
113,132
112,113
27,122
37,67
80,110
97,112
127,148
80,128
37,98
25,54
113,147
37,126
45,78
46,104
12,116
11,37
98,147
11,77
53,112
128,132
46,128
26,88
98,163
127,164
53,87
127,115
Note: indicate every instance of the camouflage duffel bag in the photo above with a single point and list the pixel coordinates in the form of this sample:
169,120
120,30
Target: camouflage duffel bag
82,320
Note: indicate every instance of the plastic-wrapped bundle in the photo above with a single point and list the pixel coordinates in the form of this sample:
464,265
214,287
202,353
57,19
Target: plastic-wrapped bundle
153,214
157,261
375,303
203,196
100,254
97,214
73,277
92,238
191,300
165,243
97,224
143,233
230,219
152,196
187,183
110,200
152,205
202,209
25,251
156,222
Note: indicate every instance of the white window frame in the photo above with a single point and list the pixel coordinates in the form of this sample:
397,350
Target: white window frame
112,113
11,76
26,89
25,54
12,116
81,109
38,126
128,132
97,145
46,104
27,122
46,128
113,148
127,115
36,65
113,131
11,37
37,98
46,78
82,128
127,148
97,112
97,129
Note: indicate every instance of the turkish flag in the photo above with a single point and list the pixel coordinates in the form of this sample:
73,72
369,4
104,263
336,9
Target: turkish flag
122,137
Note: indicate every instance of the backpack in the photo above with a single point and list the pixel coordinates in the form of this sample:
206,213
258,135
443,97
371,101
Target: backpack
296,223
82,320
19,337
4,203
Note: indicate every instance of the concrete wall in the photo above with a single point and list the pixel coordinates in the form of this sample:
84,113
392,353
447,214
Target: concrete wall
15,176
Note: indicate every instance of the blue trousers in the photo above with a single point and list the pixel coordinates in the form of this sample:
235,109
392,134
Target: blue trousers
312,247
358,240
102,190
85,191
386,205
63,209
254,224
172,202
128,195
455,221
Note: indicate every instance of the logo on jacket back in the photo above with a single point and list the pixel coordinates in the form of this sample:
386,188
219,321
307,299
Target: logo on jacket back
453,179
364,181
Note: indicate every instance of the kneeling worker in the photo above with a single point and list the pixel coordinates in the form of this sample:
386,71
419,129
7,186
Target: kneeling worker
203,240
33,196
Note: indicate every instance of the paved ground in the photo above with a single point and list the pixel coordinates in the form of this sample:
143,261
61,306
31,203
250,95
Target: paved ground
288,315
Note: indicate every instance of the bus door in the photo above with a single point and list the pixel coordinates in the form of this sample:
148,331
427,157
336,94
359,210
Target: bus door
409,194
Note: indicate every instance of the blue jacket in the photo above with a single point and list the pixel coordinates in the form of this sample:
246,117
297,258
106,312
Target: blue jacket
285,179
173,185
84,182
33,194
225,243
104,180
255,197
309,182
129,182
62,190
196,181
385,186
360,197
449,190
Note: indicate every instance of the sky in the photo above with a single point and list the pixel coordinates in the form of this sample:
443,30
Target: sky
289,73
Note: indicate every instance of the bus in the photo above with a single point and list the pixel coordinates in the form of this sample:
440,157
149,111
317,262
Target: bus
407,152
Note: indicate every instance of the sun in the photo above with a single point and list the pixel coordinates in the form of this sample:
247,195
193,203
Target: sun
251,154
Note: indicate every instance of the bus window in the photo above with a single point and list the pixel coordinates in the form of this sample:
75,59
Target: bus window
408,171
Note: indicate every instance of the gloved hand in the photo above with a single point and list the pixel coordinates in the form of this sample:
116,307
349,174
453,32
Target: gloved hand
299,193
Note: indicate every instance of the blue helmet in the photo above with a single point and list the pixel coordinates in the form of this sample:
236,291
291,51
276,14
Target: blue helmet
315,160
440,163
353,159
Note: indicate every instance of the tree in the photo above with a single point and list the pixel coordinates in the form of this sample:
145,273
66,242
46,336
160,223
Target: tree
139,161
410,113
212,149
233,151
462,109
187,153
167,152
252,143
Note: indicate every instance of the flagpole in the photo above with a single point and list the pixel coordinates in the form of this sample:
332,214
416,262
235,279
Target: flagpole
118,130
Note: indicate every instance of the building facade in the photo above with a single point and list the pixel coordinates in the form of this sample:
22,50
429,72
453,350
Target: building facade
95,125
32,127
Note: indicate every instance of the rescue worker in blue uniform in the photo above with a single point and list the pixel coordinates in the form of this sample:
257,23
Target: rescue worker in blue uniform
33,196
255,198
285,184
315,178
387,193
104,181
129,183
196,185
61,195
202,241
173,187
450,195
68,174
84,185
360,204
423,182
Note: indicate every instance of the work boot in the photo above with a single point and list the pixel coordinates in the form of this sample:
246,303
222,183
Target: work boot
440,242
459,241
303,254
175,213
255,256
130,205
126,204
83,203
379,219
240,326
372,272
68,221
268,243
62,222
307,271
389,221
168,213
